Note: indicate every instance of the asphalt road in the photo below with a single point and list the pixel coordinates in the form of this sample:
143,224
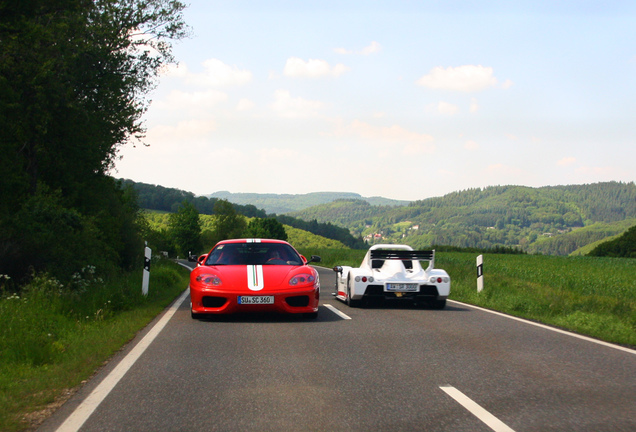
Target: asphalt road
384,369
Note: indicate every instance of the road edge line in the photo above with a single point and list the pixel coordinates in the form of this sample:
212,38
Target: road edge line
79,416
547,327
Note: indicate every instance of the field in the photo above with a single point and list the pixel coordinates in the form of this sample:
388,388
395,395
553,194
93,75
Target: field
588,295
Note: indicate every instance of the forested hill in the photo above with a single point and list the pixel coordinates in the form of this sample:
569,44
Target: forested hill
154,197
553,219
285,203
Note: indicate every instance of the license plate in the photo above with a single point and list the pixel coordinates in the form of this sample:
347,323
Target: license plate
256,300
408,287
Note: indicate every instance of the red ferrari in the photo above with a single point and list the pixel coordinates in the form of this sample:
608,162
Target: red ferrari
254,275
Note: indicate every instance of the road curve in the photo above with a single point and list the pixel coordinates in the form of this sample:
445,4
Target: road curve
384,369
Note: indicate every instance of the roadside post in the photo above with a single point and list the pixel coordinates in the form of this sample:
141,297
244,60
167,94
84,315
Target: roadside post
480,273
146,276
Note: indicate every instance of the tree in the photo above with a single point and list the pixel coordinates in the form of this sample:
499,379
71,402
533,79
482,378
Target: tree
73,75
623,246
185,229
229,224
266,228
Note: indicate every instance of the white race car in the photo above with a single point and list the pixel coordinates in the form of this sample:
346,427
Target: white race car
393,272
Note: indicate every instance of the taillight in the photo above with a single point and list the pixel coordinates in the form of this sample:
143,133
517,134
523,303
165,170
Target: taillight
364,279
439,279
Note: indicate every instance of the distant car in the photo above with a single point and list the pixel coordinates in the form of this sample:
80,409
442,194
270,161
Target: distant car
254,275
392,272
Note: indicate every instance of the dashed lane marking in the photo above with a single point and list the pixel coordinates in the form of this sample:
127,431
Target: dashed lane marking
337,312
475,409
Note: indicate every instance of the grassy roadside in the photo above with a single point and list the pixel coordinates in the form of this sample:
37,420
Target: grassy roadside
588,295
55,337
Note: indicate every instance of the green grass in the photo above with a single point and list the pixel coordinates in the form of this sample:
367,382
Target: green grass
588,295
55,336
591,296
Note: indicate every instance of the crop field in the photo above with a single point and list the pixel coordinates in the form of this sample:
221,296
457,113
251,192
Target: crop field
587,295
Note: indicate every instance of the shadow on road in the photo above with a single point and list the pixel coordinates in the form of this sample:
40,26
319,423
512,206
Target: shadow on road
324,315
407,305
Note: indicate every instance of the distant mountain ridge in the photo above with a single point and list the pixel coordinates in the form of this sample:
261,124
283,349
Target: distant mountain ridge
554,220
286,203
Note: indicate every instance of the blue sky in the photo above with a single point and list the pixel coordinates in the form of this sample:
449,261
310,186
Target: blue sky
401,99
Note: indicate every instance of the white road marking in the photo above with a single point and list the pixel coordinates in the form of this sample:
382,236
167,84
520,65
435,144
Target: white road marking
554,329
86,408
337,312
490,420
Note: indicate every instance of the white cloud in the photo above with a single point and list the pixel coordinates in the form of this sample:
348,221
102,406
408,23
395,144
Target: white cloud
566,161
274,155
371,49
471,145
343,51
503,170
313,68
507,84
601,172
468,78
412,142
184,131
447,108
417,148
180,100
287,106
245,105
474,106
215,74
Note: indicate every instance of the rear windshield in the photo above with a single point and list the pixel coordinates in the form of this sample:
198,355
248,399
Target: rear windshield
253,254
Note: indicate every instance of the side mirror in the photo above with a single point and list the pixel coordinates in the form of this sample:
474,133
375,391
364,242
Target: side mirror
314,258
201,259
337,269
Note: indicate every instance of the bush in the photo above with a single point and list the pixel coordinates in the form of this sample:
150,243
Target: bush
623,246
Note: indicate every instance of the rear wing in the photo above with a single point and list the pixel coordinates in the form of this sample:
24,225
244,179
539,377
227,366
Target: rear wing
403,255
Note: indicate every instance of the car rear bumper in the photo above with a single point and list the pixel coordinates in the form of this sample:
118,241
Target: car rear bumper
425,293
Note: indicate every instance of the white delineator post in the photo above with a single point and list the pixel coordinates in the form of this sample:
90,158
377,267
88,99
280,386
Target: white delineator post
480,273
146,275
